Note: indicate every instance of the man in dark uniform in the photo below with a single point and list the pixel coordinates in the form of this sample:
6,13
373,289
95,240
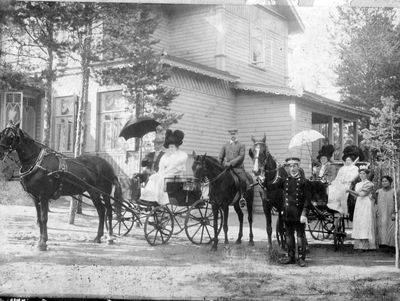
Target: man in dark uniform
232,155
297,197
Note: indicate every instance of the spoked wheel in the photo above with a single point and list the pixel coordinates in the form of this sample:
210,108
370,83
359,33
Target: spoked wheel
320,224
122,223
159,226
199,222
179,215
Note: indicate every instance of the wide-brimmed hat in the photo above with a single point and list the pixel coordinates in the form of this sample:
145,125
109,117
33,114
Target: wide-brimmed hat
326,151
364,168
353,152
173,137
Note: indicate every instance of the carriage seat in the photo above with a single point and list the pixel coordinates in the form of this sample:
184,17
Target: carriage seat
147,203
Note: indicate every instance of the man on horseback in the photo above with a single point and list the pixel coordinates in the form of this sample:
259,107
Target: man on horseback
295,209
232,156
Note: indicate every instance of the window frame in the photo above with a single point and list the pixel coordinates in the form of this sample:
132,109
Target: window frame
58,116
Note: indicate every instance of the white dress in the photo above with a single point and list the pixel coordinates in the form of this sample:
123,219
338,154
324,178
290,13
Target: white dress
172,163
364,217
337,195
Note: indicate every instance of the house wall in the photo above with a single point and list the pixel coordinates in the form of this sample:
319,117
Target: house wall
192,35
238,20
209,111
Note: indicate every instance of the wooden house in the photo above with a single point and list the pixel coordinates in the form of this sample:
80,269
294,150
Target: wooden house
230,67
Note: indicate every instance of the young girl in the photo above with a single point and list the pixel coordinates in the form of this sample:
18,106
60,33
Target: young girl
386,212
364,214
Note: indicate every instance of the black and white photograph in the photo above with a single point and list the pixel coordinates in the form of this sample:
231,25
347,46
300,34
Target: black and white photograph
199,150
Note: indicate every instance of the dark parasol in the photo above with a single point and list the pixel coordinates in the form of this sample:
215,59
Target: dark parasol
137,128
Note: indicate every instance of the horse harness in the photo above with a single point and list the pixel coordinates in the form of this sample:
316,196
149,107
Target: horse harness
62,168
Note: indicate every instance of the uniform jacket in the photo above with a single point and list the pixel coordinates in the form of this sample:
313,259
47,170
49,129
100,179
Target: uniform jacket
152,163
297,196
329,172
233,154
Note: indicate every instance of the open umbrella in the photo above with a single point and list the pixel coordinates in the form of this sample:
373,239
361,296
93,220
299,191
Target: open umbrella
305,137
137,128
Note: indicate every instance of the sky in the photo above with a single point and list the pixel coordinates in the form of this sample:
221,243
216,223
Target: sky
313,57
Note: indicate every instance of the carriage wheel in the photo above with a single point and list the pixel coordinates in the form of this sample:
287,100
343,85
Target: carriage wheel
122,223
316,228
159,226
320,225
199,222
179,215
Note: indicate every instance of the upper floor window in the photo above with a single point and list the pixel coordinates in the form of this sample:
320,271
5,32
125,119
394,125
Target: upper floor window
112,117
64,123
260,47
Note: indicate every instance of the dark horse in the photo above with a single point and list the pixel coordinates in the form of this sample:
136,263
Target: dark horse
46,175
222,192
265,166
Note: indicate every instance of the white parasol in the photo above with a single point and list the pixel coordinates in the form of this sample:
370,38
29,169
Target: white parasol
305,137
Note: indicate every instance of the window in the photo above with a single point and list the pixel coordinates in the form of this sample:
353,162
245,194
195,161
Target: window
29,116
257,46
112,117
64,123
261,48
13,107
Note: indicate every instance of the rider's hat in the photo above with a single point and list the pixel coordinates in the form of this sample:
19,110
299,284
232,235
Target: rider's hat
292,160
173,137
233,131
326,151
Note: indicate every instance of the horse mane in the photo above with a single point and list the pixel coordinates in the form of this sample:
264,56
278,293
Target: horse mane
213,160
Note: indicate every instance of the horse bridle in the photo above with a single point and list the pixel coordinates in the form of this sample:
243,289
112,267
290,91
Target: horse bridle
205,179
13,146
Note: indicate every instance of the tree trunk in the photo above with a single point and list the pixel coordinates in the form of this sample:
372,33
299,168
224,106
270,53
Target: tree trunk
48,98
80,130
73,206
396,177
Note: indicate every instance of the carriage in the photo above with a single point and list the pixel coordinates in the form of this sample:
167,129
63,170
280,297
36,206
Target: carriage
188,210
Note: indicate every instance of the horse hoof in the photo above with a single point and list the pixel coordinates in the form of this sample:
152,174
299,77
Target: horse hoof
97,240
238,242
110,241
213,249
42,247
251,243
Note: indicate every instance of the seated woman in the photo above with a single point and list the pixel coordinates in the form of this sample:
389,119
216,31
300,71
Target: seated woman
338,194
325,172
172,163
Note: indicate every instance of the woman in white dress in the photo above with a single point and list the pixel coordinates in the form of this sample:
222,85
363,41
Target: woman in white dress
337,196
172,163
364,214
386,213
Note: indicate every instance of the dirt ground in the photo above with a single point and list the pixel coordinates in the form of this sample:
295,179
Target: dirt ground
74,267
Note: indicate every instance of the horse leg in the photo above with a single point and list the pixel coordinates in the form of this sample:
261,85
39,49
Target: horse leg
225,226
267,212
240,215
101,212
215,213
44,209
250,217
106,199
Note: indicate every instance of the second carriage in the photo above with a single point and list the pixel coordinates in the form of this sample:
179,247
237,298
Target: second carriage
188,210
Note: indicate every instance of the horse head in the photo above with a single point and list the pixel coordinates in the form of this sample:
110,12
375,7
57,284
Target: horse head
261,156
10,138
205,166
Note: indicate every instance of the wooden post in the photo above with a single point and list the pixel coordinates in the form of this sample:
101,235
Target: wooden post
396,206
355,132
341,134
330,130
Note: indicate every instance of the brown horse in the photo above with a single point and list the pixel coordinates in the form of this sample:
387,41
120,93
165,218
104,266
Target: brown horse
46,174
265,166
222,192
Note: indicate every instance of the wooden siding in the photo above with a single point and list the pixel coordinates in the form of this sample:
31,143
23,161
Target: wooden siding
162,32
258,114
237,48
192,36
209,111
